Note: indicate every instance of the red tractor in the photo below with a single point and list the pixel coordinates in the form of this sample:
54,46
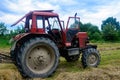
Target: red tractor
36,52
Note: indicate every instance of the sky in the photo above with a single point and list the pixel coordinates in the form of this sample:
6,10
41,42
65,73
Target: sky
89,11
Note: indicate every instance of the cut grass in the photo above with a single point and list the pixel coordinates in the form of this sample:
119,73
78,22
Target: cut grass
109,68
110,57
110,73
9,72
106,45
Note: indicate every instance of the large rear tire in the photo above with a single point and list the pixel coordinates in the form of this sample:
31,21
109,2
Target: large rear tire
90,58
38,57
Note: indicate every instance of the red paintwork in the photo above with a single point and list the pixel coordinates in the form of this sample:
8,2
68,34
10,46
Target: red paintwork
55,31
33,28
37,12
67,44
40,31
63,32
19,36
45,14
82,36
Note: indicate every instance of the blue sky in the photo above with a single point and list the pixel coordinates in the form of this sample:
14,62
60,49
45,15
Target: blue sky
93,11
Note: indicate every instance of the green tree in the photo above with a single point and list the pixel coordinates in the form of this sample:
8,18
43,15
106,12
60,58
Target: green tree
18,30
118,35
110,33
92,30
112,21
94,33
85,27
110,29
3,29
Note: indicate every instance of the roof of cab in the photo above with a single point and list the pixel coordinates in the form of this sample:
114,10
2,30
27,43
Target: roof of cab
37,12
44,13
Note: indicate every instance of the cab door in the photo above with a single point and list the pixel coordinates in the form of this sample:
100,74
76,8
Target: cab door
72,28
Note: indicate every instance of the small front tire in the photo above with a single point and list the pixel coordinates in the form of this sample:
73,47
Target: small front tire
90,58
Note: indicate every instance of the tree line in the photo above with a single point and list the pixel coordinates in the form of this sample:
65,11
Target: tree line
110,30
7,34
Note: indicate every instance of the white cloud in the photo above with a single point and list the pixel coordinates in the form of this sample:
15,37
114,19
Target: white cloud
89,11
62,2
21,6
102,12
44,5
9,18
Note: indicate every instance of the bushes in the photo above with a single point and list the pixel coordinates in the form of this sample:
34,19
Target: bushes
110,30
93,32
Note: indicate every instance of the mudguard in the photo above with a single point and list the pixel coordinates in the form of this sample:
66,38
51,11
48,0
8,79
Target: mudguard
91,46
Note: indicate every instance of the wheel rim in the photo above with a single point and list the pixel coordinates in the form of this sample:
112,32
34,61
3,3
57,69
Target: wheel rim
40,58
92,59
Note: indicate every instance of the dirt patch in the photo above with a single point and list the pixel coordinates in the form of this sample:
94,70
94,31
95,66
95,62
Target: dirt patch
5,50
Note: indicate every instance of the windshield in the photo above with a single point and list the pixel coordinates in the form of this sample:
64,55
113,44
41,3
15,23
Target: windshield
73,23
54,24
48,22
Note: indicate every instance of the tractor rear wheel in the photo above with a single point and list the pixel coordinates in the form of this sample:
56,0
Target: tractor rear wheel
90,58
38,57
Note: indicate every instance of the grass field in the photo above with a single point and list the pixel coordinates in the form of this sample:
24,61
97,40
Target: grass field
109,68
4,45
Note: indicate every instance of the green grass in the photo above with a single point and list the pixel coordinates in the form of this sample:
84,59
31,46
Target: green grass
107,70
4,43
107,45
110,57
110,61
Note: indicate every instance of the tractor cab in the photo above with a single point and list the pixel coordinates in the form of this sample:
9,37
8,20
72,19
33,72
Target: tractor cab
47,23
43,22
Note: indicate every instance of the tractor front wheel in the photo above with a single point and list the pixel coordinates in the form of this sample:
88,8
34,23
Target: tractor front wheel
90,58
